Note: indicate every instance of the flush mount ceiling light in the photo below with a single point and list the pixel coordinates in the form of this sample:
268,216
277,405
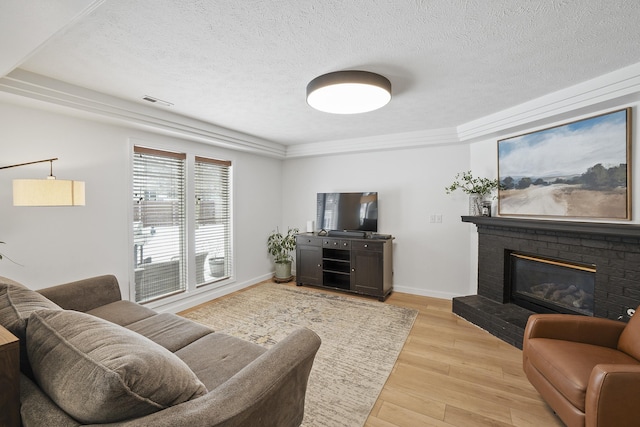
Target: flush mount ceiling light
349,92
46,192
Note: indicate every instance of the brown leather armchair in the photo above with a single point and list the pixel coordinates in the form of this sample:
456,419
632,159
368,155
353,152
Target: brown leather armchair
587,369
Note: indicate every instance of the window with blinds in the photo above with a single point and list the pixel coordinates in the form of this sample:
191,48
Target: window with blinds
212,219
159,223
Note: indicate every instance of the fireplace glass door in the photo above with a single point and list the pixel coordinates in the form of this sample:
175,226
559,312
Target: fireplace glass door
545,285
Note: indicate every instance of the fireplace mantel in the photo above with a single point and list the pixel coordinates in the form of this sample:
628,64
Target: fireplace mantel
582,227
614,248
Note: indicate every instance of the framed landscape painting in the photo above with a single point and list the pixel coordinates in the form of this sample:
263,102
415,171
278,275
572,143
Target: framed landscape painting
580,169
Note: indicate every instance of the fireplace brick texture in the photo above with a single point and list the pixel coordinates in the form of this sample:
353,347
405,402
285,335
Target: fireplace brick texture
614,252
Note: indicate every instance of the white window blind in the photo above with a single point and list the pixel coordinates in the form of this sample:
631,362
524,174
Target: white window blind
212,219
159,223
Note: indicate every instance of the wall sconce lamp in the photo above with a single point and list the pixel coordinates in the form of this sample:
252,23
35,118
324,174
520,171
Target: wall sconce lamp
46,192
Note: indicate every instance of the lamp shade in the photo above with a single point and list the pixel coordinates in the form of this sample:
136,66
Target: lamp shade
48,192
348,92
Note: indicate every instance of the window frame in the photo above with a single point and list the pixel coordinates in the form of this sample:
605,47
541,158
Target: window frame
192,289
227,249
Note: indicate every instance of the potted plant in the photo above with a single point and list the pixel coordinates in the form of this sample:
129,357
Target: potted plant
280,245
478,189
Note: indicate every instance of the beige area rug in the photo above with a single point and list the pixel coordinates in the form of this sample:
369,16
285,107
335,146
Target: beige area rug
361,340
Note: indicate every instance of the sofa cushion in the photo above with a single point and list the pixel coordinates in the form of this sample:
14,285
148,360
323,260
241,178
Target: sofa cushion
567,365
217,357
17,302
629,340
122,312
99,372
170,331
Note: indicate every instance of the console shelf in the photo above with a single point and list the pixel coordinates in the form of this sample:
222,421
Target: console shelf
357,265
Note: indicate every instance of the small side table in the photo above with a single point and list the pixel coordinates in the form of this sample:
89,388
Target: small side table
9,379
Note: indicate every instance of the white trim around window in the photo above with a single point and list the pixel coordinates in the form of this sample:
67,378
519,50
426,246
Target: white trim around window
181,223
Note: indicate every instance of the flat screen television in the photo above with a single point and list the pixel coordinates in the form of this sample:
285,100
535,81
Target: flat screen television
347,211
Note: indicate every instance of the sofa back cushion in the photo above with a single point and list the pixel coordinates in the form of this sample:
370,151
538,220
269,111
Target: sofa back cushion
17,302
100,372
629,341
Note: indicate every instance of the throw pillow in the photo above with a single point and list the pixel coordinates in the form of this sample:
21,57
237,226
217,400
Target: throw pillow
17,302
100,372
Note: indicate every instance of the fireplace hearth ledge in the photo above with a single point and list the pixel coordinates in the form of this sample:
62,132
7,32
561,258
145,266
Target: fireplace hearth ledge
505,321
491,312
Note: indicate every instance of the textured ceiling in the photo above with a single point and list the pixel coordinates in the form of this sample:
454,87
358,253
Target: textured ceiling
244,65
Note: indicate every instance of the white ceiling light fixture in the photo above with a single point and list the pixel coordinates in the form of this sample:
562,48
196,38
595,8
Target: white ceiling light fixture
349,92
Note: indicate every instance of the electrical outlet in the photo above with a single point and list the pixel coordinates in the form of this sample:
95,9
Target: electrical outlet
439,218
432,219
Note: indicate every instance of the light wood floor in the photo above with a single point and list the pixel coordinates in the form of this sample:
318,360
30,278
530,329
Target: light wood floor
451,373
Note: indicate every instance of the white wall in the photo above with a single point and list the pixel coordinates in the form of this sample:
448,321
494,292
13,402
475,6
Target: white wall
429,258
52,245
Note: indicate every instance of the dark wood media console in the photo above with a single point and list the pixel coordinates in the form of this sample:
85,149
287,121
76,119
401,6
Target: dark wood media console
362,266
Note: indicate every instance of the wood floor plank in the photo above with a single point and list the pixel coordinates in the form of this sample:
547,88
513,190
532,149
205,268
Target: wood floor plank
452,355
418,359
449,390
401,416
460,417
413,401
490,380
378,422
544,418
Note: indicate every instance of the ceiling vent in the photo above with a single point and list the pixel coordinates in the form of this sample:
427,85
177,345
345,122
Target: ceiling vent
156,101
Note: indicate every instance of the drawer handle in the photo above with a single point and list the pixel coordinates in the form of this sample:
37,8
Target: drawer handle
335,243
344,244
353,269
366,246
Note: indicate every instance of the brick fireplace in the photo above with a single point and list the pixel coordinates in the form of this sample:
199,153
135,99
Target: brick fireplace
612,249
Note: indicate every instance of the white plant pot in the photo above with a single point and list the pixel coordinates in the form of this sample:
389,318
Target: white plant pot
216,267
283,270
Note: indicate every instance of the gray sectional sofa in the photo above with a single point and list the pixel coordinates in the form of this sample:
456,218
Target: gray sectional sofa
95,359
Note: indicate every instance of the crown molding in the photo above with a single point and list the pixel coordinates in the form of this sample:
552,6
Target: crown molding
444,136
24,83
607,91
611,90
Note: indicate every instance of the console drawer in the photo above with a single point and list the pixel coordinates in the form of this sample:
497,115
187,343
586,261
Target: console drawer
336,243
308,241
367,246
